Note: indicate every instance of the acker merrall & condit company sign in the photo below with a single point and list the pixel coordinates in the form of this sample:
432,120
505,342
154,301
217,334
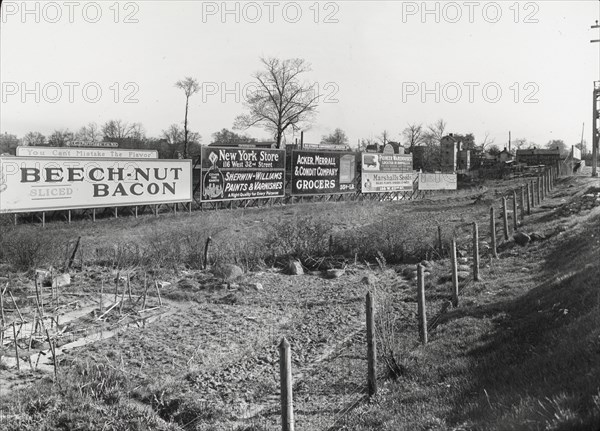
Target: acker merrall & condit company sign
323,172
32,184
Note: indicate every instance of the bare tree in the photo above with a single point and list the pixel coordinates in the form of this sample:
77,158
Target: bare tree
519,143
118,129
435,132
34,138
59,138
189,86
173,134
384,137
282,100
487,141
225,136
413,135
338,137
91,132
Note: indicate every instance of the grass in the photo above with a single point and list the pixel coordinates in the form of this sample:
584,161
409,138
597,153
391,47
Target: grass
526,359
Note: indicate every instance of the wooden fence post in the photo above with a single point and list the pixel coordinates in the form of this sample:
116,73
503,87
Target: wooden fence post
371,348
539,193
440,244
454,262
515,215
285,378
493,232
421,304
522,203
505,217
528,196
475,252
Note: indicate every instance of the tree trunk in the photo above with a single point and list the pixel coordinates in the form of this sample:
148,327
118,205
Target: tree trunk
185,129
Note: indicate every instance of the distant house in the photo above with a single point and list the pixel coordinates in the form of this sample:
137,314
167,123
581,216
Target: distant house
504,156
536,157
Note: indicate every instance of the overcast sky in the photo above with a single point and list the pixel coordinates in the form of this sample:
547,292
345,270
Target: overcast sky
484,67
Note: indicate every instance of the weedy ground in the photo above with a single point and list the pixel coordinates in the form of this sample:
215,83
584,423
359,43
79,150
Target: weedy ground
522,350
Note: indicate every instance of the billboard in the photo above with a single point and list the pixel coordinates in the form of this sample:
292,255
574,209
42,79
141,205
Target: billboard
575,153
323,172
386,173
92,144
437,181
42,184
241,173
113,153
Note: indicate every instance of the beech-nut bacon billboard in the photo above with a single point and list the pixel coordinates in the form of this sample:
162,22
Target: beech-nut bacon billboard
242,173
41,184
387,173
323,172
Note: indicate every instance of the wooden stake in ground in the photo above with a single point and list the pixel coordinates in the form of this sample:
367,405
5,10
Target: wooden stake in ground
205,263
371,347
145,291
158,292
3,320
73,254
538,191
505,217
421,304
493,233
53,350
101,295
528,196
532,188
475,252
454,262
16,347
515,215
117,286
285,379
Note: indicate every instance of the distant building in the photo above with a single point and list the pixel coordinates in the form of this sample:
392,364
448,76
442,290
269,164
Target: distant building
418,153
536,157
450,147
505,156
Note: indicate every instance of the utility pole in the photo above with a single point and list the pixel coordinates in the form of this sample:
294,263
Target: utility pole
596,116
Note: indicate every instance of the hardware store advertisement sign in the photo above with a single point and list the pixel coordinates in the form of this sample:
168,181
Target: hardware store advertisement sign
242,173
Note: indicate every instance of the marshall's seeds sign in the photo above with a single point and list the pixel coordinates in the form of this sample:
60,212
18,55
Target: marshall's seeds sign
242,173
41,184
386,173
320,172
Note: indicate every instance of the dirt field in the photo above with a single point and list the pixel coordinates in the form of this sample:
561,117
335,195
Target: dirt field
182,348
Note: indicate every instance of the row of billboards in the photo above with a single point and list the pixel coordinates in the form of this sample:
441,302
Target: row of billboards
45,178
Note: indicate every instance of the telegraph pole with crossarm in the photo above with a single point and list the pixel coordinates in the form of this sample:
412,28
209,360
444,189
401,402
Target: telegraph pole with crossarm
595,118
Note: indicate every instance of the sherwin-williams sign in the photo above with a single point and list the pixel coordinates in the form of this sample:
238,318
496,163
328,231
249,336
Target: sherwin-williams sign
386,173
321,173
242,173
105,153
40,184
441,181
